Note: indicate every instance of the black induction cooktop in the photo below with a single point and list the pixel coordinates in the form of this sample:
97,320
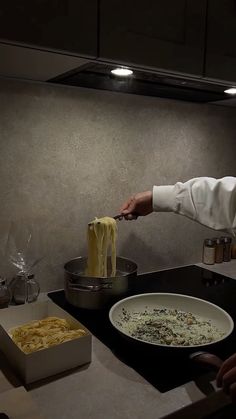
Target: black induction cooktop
164,368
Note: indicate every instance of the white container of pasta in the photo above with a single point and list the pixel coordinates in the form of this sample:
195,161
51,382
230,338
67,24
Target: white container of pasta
49,361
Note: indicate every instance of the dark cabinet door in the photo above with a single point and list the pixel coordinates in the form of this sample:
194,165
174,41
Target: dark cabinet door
221,40
67,25
165,34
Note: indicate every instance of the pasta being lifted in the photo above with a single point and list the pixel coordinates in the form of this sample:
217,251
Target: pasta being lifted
102,234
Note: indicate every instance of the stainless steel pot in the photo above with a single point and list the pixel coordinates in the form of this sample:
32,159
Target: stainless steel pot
93,292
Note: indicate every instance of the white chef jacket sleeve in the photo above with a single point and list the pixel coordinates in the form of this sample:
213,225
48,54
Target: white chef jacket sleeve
209,201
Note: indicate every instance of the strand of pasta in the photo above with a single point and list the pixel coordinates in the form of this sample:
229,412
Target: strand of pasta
102,234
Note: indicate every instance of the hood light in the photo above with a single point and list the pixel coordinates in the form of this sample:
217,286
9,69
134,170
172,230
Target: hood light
231,91
122,72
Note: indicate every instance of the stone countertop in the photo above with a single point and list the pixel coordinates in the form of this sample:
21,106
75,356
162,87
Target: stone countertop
104,389
107,388
225,268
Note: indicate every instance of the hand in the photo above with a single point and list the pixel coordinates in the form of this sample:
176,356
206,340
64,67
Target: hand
139,204
226,377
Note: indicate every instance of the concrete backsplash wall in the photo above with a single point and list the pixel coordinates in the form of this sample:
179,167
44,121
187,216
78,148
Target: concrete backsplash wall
70,154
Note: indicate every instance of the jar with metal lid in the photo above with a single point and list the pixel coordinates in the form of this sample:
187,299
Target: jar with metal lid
227,241
208,254
219,252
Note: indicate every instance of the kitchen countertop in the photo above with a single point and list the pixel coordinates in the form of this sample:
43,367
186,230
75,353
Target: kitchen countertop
109,389
225,268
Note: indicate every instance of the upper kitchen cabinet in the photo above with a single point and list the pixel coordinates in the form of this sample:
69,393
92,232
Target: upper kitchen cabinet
62,25
221,40
160,34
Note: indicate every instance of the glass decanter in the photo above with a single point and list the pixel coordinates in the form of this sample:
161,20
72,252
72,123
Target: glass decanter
25,289
5,293
23,252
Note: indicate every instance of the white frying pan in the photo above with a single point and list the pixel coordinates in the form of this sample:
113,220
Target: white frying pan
138,303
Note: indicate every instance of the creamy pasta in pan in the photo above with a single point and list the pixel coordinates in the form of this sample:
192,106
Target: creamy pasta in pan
169,327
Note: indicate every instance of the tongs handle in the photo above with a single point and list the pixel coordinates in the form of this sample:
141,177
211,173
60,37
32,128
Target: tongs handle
121,216
118,217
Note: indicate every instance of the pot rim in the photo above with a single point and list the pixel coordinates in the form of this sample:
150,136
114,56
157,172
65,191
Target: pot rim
84,258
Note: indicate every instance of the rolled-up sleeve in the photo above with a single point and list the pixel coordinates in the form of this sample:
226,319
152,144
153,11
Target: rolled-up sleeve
209,201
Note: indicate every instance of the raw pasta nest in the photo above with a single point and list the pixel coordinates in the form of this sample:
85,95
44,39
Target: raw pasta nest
41,334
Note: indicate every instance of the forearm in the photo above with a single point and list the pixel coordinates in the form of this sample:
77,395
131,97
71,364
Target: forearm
209,201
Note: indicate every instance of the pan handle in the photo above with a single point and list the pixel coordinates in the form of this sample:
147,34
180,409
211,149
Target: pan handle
208,359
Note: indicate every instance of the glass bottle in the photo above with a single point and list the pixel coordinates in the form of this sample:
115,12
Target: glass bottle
219,244
227,241
233,250
208,254
24,288
5,293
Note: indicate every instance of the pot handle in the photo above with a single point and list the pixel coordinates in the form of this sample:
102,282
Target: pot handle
208,359
84,287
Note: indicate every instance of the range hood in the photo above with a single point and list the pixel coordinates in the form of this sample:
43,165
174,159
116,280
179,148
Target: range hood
28,63
145,82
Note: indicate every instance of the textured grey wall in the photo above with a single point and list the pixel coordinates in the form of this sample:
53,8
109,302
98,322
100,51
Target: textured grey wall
70,154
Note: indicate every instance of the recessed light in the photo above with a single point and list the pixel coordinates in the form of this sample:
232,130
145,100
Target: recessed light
119,71
231,91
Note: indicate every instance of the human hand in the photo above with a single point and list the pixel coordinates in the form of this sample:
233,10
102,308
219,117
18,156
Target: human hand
138,204
226,377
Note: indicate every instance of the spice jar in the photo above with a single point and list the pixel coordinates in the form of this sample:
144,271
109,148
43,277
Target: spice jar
219,253
227,241
233,251
208,254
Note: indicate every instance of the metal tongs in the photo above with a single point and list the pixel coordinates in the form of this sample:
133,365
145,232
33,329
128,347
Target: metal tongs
118,217
121,216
